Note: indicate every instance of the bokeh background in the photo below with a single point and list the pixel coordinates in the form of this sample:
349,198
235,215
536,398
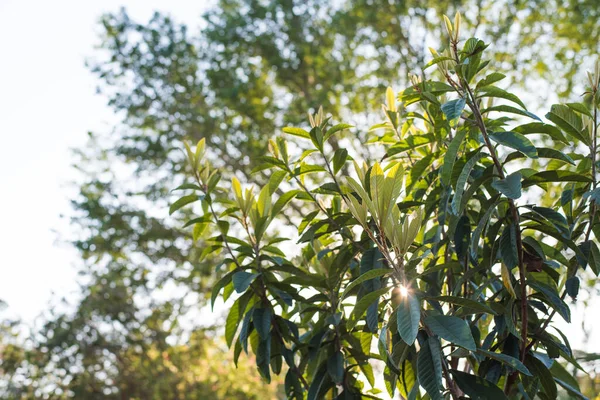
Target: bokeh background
102,294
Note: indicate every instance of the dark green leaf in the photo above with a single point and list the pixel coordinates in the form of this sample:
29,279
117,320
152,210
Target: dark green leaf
261,319
453,109
429,367
493,91
553,299
477,388
335,367
462,180
508,246
512,110
571,123
554,176
510,186
339,158
363,304
572,286
376,273
408,314
515,141
452,329
507,360
450,157
461,301
242,280
539,370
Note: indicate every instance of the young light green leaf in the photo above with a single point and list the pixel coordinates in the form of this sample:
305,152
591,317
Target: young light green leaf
297,132
183,201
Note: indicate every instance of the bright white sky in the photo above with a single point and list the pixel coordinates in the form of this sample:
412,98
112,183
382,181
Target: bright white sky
47,104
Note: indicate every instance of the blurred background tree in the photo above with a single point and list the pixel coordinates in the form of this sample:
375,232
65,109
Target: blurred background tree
141,326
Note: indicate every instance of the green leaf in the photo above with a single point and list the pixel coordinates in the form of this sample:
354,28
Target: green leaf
187,186
375,273
493,91
283,200
570,123
539,370
544,152
261,319
450,157
190,198
554,217
480,227
320,384
541,128
218,286
408,315
297,132
335,367
511,110
490,79
509,186
452,329
363,304
242,280
553,299
429,367
232,321
515,141
508,246
569,388
580,108
476,387
462,180
336,128
506,359
263,358
411,142
339,158
463,302
594,258
453,109
554,176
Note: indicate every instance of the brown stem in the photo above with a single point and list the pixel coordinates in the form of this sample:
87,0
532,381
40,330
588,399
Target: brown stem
515,216
593,151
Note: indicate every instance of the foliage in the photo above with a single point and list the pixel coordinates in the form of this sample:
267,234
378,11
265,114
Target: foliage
202,368
438,255
252,67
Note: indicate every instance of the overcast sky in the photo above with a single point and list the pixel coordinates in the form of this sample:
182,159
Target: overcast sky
47,104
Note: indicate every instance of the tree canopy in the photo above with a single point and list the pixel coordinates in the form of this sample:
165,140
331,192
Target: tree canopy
252,68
